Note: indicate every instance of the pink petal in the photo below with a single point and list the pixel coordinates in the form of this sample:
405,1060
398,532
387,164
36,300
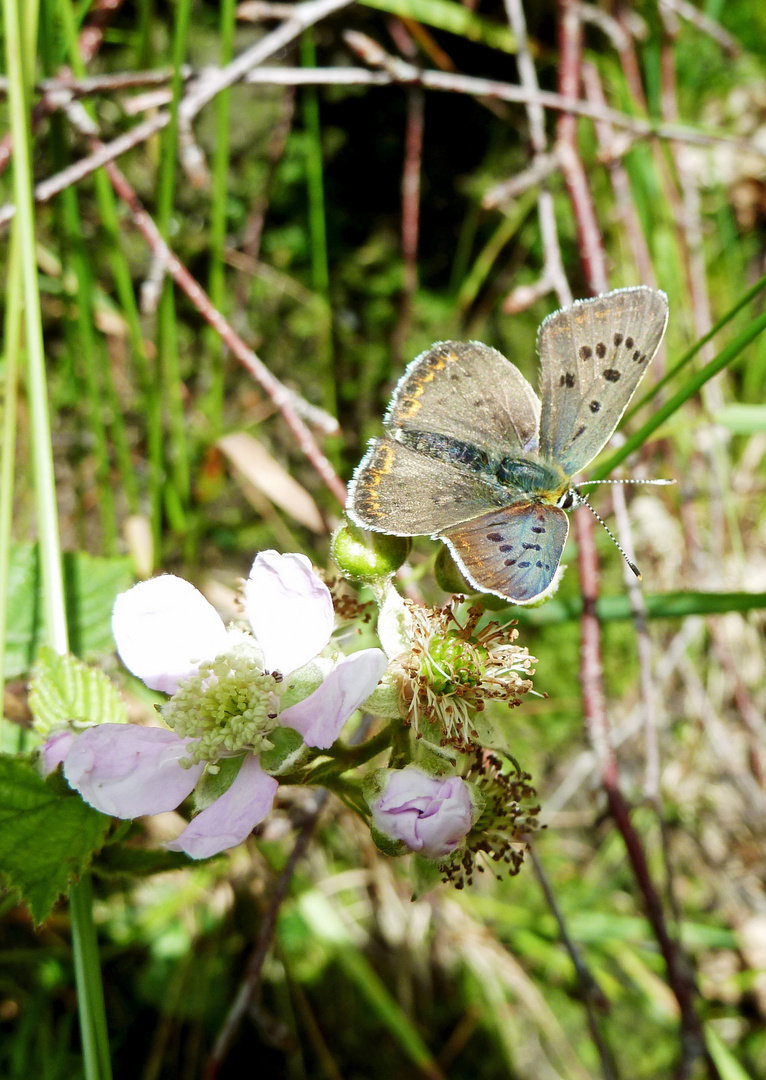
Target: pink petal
126,770
289,608
232,817
163,628
320,717
431,815
55,750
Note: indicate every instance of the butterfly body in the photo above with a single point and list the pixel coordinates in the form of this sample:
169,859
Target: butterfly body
473,457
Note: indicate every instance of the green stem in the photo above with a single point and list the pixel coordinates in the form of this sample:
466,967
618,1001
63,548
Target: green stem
90,992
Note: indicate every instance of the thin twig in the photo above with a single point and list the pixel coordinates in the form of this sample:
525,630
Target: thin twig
552,276
279,394
249,989
589,238
705,24
591,994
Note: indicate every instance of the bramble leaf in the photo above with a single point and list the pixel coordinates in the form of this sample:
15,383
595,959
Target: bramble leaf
47,836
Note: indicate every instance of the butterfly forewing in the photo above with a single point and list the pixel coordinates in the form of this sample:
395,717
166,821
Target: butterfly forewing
401,491
593,356
470,393
513,552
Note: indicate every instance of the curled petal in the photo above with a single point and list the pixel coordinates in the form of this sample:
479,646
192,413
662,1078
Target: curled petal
233,816
55,750
163,628
126,770
289,608
320,717
431,815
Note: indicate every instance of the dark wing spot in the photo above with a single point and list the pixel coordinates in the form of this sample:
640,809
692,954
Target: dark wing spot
538,529
570,379
525,564
601,350
578,433
539,563
618,339
510,562
595,406
585,352
505,547
629,343
495,537
636,355
531,547
611,374
643,359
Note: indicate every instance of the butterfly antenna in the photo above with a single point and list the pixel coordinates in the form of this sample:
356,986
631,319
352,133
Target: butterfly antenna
580,500
659,483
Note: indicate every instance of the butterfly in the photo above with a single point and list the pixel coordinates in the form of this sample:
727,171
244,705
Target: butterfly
473,457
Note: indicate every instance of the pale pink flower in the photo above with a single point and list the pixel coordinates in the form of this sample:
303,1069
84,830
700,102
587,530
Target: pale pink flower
227,687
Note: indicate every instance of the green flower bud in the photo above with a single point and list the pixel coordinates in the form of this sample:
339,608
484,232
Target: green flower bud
367,556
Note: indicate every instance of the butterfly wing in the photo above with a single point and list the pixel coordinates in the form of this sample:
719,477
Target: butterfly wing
513,552
593,356
399,490
469,393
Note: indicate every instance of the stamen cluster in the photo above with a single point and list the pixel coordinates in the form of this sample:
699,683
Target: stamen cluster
453,669
500,834
230,705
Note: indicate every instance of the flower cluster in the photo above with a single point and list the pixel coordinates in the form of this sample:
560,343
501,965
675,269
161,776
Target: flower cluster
262,702
232,690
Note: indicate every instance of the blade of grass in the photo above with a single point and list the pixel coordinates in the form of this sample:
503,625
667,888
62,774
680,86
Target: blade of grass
675,605
447,15
698,345
718,363
212,403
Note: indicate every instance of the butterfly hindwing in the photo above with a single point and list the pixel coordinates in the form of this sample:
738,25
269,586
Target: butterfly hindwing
470,393
593,356
513,552
399,490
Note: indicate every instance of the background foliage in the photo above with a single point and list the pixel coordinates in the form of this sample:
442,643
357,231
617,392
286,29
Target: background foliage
168,451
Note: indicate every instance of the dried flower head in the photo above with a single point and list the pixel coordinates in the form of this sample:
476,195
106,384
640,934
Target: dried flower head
452,669
499,835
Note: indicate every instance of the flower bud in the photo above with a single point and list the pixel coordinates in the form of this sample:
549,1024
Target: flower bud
367,556
429,815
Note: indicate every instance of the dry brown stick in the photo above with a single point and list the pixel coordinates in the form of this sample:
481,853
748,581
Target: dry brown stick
552,276
249,988
88,44
411,169
282,398
705,24
590,244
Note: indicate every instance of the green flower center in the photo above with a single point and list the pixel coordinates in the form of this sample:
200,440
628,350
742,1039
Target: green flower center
230,705
453,663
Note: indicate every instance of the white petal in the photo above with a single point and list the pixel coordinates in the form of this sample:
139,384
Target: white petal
232,817
320,717
163,628
127,770
289,608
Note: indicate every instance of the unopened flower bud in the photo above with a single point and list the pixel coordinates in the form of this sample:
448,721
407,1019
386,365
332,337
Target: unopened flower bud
367,556
429,815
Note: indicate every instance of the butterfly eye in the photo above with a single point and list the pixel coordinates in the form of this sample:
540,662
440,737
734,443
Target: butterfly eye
566,500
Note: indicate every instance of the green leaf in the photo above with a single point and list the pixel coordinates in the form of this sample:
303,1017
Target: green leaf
447,15
118,862
64,690
742,419
675,605
91,587
47,838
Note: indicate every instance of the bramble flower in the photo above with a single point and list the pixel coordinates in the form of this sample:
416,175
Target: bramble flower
231,690
430,815
445,671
